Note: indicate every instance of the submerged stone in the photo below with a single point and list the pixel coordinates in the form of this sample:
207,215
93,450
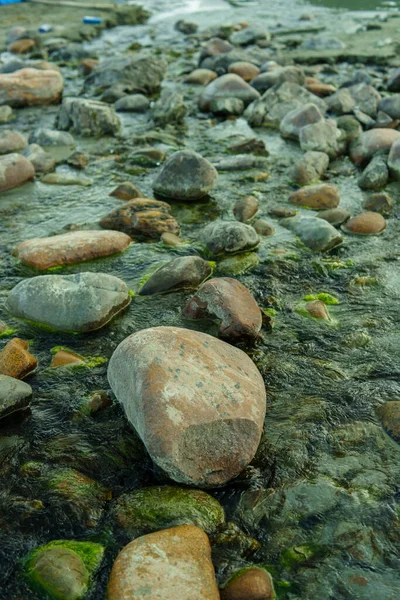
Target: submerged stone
172,563
245,208
153,508
197,403
81,302
126,191
143,217
334,216
181,273
229,237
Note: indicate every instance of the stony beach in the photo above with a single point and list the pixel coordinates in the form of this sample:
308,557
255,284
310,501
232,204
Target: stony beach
199,300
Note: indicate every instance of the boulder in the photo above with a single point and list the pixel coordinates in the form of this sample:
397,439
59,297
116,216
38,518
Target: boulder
137,73
229,237
181,273
14,395
172,563
230,302
14,171
30,87
88,117
227,86
197,403
69,248
81,302
186,175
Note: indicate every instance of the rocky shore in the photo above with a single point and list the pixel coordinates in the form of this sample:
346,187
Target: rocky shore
199,304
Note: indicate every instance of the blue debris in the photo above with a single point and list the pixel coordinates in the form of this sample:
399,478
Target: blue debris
45,28
2,2
92,20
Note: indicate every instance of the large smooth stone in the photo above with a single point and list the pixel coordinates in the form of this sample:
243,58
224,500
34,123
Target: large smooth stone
30,87
370,142
14,395
172,563
197,403
68,248
181,273
186,175
229,237
316,234
81,302
227,86
14,171
232,303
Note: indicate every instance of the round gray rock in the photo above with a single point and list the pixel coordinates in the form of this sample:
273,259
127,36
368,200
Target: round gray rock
186,175
14,395
229,237
81,302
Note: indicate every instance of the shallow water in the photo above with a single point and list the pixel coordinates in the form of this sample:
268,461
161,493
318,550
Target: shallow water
325,478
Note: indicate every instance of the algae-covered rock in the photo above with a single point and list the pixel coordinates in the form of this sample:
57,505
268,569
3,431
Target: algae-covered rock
62,569
153,508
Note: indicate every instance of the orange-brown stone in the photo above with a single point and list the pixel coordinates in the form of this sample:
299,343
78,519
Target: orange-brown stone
66,357
318,197
14,171
88,64
126,191
390,417
245,70
149,218
172,563
253,583
31,87
367,223
16,360
21,46
69,248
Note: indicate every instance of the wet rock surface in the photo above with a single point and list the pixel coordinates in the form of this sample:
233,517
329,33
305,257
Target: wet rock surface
185,176
14,395
181,273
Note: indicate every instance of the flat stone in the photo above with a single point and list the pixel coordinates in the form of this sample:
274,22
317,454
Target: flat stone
186,175
66,357
81,302
69,248
184,272
367,223
64,179
157,507
14,395
16,360
15,170
197,403
229,237
318,196
334,216
227,86
231,302
30,87
143,217
11,141
88,117
173,563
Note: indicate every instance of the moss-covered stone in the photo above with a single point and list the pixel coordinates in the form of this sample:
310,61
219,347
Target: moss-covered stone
323,297
298,555
238,264
153,508
63,569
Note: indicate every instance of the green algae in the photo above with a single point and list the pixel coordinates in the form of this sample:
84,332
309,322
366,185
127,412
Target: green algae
323,297
89,362
238,264
153,508
7,333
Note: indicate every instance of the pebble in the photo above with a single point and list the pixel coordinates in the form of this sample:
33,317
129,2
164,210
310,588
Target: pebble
391,106
30,87
317,310
64,179
158,507
375,175
334,216
87,65
12,141
208,396
70,248
380,203
66,357
132,103
185,176
81,302
294,120
170,239
201,77
245,70
310,168
181,273
22,46
126,191
15,170
172,563
149,218
16,360
226,107
318,196
250,146
263,227
367,223
214,47
389,413
41,160
229,237
245,208
369,143
78,160
51,138
88,117
15,395
250,583
231,302
227,86
6,114
316,234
